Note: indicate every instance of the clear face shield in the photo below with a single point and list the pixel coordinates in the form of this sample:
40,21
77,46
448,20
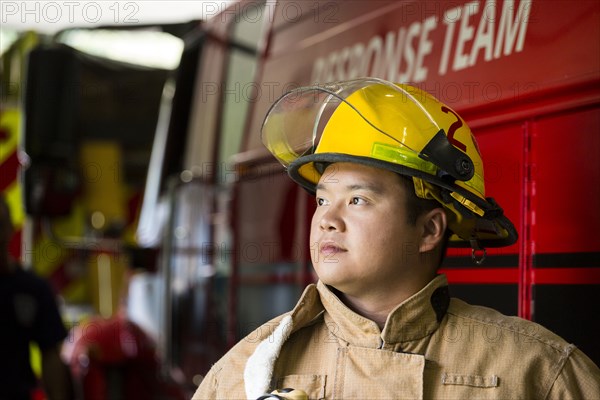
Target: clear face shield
295,123
391,115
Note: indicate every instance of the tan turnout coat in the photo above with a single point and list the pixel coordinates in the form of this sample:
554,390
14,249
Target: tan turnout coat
432,347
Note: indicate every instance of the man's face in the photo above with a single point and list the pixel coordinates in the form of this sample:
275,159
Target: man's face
360,238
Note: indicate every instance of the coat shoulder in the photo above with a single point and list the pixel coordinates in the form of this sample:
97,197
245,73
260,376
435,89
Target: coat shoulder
494,323
225,378
246,346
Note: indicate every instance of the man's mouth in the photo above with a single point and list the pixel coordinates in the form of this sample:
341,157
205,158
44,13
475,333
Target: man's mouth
329,248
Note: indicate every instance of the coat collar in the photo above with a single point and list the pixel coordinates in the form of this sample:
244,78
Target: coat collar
415,318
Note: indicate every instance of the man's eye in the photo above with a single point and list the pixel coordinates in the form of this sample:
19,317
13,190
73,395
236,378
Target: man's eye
357,201
321,201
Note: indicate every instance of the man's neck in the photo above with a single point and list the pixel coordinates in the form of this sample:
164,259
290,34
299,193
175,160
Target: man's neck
378,304
375,311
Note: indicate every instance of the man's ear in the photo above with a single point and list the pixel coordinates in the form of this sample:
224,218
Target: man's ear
434,224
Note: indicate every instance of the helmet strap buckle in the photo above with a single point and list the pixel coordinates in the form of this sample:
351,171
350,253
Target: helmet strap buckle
475,247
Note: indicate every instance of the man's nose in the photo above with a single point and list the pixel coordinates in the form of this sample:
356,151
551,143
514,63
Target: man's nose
332,219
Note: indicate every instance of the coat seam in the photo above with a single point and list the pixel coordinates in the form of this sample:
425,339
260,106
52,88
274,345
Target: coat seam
511,328
559,368
339,373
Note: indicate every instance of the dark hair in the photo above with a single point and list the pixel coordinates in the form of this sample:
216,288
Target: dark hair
416,206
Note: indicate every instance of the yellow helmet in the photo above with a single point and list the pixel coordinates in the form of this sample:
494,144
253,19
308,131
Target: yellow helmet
395,127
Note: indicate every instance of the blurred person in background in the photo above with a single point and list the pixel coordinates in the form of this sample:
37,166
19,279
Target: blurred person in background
28,313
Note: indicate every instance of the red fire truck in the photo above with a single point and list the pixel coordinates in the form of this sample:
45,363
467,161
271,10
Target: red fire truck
525,74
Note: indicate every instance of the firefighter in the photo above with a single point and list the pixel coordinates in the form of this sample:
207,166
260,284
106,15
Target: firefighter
397,177
28,312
